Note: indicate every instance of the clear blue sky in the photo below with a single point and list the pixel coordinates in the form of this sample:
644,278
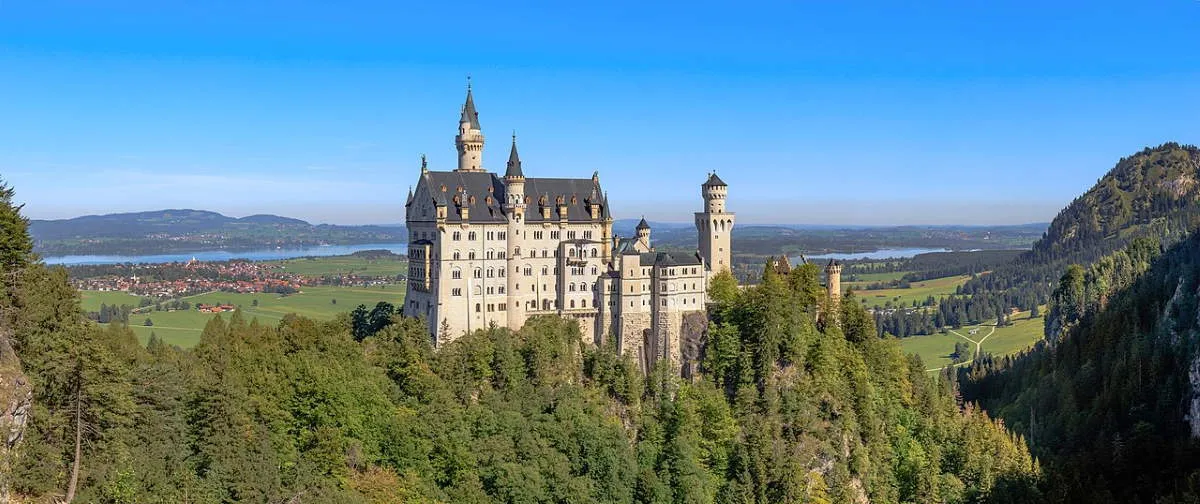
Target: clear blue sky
815,112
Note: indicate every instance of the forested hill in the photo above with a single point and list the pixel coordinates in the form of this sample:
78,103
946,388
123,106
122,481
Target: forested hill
191,230
1151,193
1111,407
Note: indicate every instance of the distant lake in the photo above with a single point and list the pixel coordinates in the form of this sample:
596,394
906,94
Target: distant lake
902,253
225,255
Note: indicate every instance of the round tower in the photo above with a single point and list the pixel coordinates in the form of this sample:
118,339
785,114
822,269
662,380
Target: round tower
514,211
469,140
642,234
833,281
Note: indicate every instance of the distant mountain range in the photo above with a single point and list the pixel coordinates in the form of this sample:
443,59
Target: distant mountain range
179,230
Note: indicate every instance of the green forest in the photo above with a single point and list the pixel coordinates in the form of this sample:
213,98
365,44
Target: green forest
795,402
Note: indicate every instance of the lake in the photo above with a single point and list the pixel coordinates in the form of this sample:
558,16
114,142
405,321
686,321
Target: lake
225,255
900,253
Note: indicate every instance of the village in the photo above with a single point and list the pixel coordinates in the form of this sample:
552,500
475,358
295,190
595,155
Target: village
181,279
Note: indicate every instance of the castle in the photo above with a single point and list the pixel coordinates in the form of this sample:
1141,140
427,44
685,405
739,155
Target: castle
488,249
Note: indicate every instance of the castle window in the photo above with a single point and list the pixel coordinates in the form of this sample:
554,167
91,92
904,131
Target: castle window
491,272
516,251
545,270
571,252
456,236
500,255
491,290
456,273
571,287
471,255
528,271
491,307
554,235
537,235
490,254
457,255
501,306
664,302
478,273
500,272
471,236
572,302
570,235
545,252
587,235
594,270
478,307
503,235
491,235
457,291
593,252
500,289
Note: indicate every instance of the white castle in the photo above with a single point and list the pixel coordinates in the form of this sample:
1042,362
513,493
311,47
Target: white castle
487,249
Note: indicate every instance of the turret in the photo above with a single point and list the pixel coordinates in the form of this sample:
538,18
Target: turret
469,140
833,288
715,225
642,234
514,210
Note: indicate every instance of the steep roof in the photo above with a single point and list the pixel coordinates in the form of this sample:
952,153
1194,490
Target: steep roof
576,194
468,111
714,181
514,162
666,259
643,224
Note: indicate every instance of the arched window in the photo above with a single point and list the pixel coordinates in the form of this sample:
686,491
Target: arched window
491,272
571,252
571,287
491,254
457,255
593,252
516,251
572,302
478,273
477,307
456,273
471,255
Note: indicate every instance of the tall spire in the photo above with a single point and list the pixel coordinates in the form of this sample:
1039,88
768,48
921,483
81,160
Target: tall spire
514,160
469,115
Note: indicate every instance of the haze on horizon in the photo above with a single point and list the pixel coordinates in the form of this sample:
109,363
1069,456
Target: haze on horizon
844,114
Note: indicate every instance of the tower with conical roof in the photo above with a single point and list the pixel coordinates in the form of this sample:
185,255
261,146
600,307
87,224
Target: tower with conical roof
469,140
514,211
715,225
642,236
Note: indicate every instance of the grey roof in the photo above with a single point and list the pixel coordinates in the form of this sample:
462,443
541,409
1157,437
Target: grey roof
576,194
713,180
514,162
665,259
643,224
468,111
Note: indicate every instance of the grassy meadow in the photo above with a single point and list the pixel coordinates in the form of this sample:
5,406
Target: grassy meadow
343,265
918,291
935,349
322,303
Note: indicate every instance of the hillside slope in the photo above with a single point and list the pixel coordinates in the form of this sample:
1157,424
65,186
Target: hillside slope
1111,408
1152,193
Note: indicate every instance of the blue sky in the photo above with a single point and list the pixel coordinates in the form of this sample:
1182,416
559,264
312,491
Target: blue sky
814,112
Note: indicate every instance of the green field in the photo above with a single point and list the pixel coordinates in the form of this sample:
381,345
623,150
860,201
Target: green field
935,349
918,292
343,265
183,327
869,278
93,299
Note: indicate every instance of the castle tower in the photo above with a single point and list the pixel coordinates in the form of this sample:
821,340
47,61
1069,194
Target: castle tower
714,225
514,209
642,242
833,288
469,140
